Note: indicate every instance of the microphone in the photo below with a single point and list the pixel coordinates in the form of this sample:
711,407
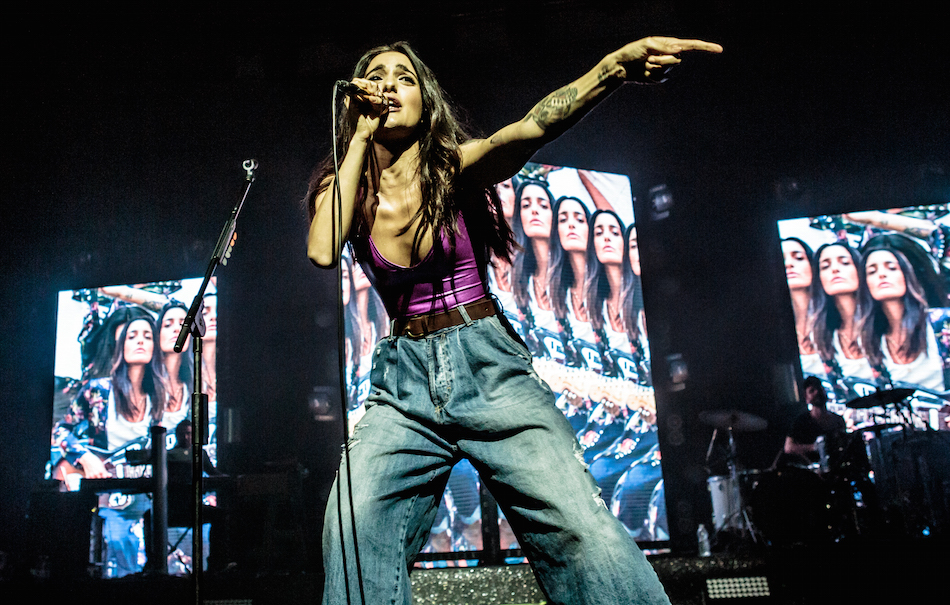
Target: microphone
355,92
348,88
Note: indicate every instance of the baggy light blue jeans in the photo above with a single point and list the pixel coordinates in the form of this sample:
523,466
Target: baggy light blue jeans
470,391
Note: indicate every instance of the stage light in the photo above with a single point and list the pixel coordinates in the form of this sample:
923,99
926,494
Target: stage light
737,588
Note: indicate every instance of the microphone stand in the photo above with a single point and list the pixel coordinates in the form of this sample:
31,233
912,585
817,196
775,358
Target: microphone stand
194,325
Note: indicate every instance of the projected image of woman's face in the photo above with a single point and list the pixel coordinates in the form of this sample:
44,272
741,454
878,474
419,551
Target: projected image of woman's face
572,226
884,276
171,328
634,253
139,344
608,239
877,310
535,212
797,266
837,271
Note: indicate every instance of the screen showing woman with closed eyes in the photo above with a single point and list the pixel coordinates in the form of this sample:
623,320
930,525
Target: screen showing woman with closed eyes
116,375
877,307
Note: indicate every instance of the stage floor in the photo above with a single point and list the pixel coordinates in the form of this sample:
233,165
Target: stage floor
869,572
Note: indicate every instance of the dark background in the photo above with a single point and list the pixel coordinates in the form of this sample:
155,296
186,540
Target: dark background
124,131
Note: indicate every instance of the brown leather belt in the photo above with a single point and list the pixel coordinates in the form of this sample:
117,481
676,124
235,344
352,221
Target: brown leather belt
422,325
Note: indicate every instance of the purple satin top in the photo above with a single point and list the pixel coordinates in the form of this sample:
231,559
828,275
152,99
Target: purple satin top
437,283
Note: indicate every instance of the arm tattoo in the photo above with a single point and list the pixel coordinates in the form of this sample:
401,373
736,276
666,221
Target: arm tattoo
553,108
918,232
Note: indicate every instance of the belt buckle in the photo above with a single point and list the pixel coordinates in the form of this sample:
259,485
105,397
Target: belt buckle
425,328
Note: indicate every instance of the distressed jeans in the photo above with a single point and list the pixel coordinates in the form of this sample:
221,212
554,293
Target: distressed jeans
470,391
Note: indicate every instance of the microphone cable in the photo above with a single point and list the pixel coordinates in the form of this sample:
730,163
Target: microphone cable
337,219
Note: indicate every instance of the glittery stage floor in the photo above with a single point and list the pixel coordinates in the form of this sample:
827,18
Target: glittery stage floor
854,573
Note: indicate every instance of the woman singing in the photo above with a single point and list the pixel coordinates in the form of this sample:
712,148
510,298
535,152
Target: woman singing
452,381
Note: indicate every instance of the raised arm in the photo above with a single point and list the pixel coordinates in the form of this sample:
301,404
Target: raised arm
488,161
917,227
144,298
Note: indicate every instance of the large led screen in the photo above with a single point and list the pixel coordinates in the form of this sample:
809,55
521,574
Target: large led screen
869,292
116,375
573,293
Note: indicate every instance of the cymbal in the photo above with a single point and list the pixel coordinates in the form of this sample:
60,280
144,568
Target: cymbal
880,398
733,419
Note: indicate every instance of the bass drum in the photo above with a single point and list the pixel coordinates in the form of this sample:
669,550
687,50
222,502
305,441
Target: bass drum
790,506
912,481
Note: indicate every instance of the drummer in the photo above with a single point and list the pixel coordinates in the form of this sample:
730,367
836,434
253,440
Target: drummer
801,444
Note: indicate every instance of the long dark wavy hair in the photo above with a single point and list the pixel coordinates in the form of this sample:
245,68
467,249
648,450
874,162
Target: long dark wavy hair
632,294
186,371
561,269
874,324
444,194
933,285
525,263
153,380
99,350
808,251
598,288
823,315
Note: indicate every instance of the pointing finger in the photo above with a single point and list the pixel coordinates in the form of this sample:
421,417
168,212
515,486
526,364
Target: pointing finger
685,45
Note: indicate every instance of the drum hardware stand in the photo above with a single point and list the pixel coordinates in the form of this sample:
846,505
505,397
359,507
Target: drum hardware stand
739,518
738,515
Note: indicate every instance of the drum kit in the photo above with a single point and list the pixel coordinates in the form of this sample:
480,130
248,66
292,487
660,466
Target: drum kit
727,492
887,476
910,464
